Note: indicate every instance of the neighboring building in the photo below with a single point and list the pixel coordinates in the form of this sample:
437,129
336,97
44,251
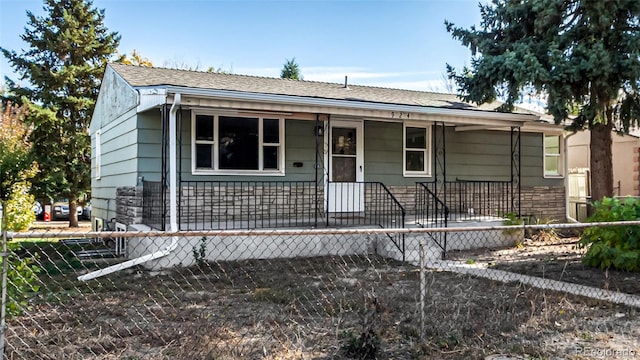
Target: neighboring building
177,149
626,168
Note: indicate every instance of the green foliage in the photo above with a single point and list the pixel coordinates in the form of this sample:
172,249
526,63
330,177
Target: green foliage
69,48
22,283
512,219
18,209
615,247
200,253
582,54
291,70
363,347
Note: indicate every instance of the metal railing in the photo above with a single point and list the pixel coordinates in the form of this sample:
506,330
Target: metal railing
365,203
431,212
225,205
154,204
470,199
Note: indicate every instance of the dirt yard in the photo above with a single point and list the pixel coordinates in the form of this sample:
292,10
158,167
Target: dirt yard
360,307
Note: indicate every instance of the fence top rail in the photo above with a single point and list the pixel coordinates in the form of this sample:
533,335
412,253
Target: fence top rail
277,232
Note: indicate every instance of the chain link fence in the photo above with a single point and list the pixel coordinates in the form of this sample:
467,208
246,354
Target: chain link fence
455,293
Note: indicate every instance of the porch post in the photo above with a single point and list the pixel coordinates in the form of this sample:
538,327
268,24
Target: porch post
328,167
440,158
315,165
516,177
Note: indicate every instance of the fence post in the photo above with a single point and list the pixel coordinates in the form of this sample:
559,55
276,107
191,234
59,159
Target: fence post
3,308
423,289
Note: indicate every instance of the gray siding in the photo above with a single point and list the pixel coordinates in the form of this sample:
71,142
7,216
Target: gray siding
119,163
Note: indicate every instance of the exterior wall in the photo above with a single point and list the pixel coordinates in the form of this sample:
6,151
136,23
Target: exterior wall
626,160
544,202
115,117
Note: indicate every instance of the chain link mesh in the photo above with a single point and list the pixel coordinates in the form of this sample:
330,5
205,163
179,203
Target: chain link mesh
322,293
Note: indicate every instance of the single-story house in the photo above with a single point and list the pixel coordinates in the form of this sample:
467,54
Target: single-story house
626,168
175,149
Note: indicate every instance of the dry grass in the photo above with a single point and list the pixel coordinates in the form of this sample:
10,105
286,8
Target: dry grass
313,308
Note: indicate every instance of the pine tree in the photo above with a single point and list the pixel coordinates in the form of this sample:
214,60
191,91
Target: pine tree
69,49
291,70
584,54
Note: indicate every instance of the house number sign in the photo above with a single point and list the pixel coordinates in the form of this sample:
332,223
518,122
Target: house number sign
400,115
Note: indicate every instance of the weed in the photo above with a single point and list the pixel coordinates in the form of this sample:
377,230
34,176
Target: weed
200,253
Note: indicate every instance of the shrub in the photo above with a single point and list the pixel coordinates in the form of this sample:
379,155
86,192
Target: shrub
615,247
18,208
22,283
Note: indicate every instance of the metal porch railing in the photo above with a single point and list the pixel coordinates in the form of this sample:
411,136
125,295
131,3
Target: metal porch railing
226,205
366,203
461,200
154,204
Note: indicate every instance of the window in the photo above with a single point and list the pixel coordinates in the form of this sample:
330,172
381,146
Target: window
553,163
416,152
98,154
236,145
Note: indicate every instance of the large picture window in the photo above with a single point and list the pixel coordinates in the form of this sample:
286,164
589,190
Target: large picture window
553,162
237,145
416,151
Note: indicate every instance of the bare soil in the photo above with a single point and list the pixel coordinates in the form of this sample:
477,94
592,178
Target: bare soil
332,307
556,259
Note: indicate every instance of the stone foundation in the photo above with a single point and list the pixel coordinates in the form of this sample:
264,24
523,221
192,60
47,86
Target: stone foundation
129,205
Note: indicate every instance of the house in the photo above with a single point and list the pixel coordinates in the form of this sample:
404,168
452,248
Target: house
626,168
175,149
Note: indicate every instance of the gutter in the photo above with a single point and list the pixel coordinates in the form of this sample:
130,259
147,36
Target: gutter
173,206
353,104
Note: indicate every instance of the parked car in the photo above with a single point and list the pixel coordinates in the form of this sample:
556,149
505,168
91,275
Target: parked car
86,211
60,211
38,210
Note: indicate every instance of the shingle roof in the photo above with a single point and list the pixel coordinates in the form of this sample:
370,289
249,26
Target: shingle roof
138,76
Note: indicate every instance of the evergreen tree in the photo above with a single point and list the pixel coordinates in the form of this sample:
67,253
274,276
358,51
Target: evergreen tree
584,54
69,49
291,70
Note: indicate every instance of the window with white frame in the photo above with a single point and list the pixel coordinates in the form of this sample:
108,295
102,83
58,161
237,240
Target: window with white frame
416,152
237,145
553,162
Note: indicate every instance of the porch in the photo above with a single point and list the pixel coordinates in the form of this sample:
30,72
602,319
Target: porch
248,205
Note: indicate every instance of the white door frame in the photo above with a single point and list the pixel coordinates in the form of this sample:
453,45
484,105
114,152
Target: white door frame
355,190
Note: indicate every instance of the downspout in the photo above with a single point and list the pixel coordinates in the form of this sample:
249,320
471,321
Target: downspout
173,189
173,211
567,202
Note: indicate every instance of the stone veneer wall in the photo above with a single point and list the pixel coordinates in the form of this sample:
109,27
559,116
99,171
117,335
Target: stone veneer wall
544,202
129,205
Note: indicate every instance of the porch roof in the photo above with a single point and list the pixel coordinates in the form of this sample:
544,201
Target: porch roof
146,77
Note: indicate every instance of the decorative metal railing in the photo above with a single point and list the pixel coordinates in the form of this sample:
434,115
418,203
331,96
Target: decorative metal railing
225,205
365,203
437,204
432,212
154,202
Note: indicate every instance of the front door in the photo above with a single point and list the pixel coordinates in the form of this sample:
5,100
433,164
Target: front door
346,167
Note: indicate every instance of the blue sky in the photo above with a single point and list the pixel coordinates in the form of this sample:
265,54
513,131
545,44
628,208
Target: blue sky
400,44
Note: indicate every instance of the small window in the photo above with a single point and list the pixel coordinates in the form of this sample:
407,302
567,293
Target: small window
98,154
416,150
553,162
237,145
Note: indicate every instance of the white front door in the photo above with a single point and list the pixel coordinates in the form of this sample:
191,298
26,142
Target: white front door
346,167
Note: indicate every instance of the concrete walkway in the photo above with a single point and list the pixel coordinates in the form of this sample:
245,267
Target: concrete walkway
542,283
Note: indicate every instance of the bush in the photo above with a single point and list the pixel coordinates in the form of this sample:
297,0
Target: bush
18,209
616,247
22,283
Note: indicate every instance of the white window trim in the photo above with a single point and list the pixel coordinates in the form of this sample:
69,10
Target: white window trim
215,170
98,159
427,150
560,156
